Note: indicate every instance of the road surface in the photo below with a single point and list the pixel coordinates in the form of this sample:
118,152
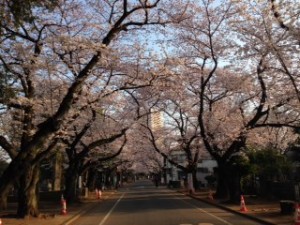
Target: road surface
142,203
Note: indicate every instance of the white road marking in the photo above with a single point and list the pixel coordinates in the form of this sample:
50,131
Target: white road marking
111,210
79,215
84,211
208,213
216,217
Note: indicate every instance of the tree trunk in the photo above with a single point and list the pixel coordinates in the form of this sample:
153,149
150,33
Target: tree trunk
5,186
10,177
71,178
234,187
190,181
91,180
195,180
57,171
228,182
3,195
222,191
28,192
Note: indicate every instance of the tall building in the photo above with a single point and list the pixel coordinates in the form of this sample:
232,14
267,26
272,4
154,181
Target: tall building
156,120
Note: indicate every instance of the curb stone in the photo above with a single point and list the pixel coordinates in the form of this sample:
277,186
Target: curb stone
256,219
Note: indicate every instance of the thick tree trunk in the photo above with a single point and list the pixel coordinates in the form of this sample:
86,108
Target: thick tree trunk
234,187
228,183
28,192
10,177
71,178
3,195
91,180
222,191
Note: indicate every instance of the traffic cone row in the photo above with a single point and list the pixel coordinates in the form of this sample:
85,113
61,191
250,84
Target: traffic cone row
243,205
297,214
63,206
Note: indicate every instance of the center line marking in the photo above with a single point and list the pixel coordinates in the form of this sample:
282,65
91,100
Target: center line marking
111,210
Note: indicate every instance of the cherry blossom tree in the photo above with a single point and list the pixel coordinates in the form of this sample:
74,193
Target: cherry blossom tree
234,102
262,33
287,16
94,139
80,154
22,11
229,82
71,46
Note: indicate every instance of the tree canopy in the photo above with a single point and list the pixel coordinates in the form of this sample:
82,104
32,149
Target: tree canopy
86,78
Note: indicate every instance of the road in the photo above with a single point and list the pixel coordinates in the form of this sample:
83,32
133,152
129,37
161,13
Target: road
143,204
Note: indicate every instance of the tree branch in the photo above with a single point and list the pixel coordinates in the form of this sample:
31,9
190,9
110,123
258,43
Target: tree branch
8,147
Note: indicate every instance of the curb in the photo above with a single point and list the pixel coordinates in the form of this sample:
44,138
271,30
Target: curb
256,219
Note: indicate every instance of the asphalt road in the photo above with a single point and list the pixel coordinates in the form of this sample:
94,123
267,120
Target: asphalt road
143,204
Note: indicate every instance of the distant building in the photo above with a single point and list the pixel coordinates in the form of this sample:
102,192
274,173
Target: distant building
205,167
156,120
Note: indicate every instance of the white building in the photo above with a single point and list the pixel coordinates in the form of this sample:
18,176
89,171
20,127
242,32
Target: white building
205,167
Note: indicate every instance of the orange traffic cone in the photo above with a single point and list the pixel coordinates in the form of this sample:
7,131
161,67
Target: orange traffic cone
297,214
0,221
63,206
243,205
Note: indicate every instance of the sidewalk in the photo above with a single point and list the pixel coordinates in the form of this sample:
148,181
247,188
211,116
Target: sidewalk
264,211
51,212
